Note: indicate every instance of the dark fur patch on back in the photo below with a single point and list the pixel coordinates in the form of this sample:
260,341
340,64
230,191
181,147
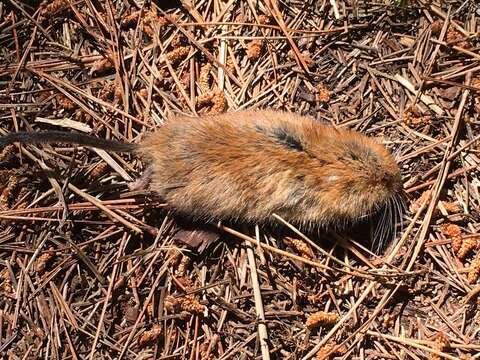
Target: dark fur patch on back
289,140
283,137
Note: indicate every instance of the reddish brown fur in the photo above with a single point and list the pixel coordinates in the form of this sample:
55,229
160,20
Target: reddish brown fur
236,166
249,165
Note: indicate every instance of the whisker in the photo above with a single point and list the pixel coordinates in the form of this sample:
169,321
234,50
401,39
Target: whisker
379,233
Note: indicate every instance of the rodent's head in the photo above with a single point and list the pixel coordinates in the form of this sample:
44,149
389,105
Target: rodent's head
367,171
363,180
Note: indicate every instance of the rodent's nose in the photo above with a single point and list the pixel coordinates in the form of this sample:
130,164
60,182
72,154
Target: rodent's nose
389,179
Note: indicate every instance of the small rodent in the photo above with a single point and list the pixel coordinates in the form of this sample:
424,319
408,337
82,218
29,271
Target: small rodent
248,165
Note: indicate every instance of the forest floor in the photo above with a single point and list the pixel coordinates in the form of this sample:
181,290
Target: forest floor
92,270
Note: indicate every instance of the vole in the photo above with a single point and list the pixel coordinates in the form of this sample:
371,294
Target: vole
248,165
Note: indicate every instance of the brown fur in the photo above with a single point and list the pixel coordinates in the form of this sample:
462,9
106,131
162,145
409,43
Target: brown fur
248,165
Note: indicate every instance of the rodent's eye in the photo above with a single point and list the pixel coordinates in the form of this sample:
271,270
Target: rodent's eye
353,156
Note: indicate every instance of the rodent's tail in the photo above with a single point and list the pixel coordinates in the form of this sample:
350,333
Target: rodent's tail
66,137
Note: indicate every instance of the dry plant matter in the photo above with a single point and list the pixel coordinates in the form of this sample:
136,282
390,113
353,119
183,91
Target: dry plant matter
90,270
